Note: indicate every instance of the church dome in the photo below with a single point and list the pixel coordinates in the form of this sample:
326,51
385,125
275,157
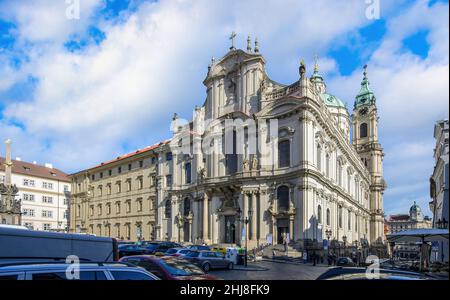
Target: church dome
331,100
415,208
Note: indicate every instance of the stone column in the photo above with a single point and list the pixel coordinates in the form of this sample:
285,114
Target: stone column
190,230
254,217
291,227
205,218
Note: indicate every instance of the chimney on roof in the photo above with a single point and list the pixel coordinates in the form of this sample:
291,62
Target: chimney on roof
18,159
47,165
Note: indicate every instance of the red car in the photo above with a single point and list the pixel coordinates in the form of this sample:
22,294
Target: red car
169,267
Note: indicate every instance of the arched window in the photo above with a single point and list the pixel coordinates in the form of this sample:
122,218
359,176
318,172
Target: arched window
340,217
349,220
319,158
230,158
319,214
328,217
363,130
284,153
186,206
283,198
168,209
187,172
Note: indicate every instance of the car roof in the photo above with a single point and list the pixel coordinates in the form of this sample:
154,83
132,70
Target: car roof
62,267
340,271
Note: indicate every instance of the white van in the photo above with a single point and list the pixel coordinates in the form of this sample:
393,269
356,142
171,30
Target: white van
18,245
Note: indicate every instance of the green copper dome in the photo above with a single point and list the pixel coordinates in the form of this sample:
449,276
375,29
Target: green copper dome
331,100
365,95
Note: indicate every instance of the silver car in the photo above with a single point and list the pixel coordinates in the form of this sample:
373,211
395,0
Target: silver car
208,260
62,271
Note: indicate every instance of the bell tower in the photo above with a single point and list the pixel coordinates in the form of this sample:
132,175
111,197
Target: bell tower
365,140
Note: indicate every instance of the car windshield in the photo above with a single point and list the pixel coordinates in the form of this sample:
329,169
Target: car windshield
171,251
180,268
192,254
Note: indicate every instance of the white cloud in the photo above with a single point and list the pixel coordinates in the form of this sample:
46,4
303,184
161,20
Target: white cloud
88,104
152,64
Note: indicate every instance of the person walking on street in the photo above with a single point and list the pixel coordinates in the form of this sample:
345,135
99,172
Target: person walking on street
305,257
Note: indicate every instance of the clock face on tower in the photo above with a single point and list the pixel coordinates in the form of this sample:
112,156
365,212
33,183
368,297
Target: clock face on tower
363,111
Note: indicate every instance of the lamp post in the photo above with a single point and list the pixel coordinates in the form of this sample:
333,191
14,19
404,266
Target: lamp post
344,239
246,221
328,234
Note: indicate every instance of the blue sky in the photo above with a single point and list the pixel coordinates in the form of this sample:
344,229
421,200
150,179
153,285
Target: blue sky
74,92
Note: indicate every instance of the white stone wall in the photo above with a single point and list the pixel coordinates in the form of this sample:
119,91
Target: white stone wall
58,207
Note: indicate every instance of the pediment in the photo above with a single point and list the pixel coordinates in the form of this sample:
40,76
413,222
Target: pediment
279,107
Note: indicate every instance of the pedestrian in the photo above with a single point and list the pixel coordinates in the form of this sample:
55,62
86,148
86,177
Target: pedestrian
314,258
305,257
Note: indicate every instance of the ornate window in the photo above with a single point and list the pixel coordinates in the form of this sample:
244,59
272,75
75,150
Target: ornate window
363,130
328,217
340,216
349,219
319,158
230,158
327,165
186,206
168,209
284,153
283,198
319,214
187,172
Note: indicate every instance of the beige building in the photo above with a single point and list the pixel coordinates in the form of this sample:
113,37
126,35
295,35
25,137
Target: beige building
286,169
117,198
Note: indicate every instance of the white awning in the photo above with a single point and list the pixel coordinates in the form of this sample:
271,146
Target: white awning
419,235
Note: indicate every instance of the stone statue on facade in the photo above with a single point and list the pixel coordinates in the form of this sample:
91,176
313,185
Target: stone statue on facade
254,163
246,165
202,173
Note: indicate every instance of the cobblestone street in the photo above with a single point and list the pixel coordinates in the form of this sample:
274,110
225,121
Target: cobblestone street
267,270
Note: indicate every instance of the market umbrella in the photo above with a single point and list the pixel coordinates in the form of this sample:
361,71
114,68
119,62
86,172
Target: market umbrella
423,235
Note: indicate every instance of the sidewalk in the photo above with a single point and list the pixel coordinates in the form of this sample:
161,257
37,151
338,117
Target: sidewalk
249,268
291,260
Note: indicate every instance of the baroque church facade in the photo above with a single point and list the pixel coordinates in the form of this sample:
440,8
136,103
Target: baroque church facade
308,179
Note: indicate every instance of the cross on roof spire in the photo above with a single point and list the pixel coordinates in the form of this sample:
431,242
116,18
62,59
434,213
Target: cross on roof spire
232,37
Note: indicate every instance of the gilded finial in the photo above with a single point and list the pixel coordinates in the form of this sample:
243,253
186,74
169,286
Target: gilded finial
316,64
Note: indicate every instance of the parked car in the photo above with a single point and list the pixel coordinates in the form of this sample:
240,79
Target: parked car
127,250
180,252
168,267
88,271
345,262
208,260
199,247
155,247
345,273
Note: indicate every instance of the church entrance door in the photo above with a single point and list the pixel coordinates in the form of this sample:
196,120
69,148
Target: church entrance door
282,230
186,231
230,230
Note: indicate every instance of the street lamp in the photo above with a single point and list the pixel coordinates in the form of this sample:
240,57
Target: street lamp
246,221
344,239
328,234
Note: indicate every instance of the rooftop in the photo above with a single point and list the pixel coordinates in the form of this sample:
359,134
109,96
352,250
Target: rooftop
35,170
128,155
